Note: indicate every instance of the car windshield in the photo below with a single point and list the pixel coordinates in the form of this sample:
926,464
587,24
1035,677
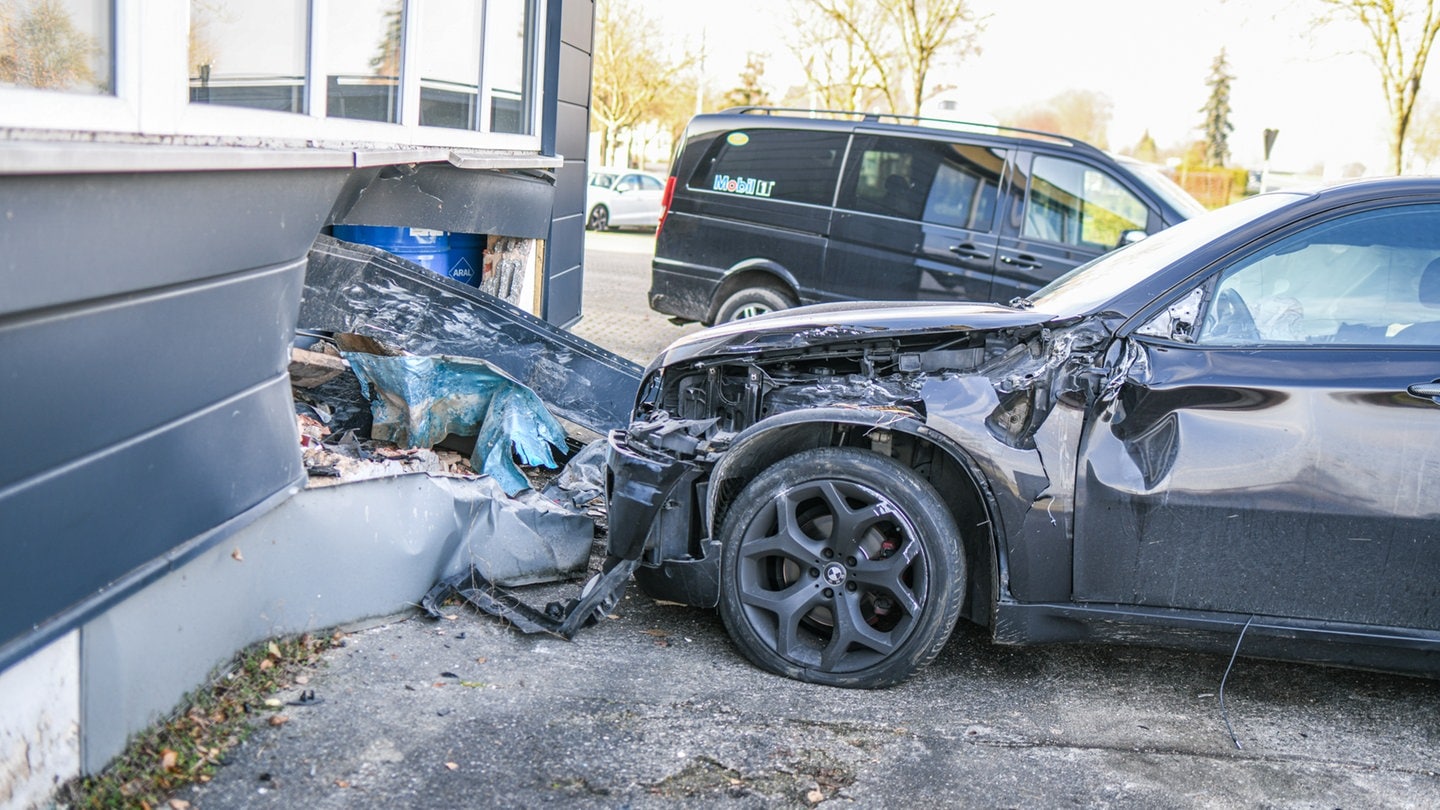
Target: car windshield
605,180
1088,287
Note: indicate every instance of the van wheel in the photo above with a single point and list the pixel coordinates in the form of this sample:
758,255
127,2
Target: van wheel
840,567
599,219
752,301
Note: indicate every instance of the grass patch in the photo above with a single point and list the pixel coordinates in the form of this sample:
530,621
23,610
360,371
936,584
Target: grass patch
208,722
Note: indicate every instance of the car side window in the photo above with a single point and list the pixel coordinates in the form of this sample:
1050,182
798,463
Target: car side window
629,182
933,181
1077,204
1371,278
648,183
778,164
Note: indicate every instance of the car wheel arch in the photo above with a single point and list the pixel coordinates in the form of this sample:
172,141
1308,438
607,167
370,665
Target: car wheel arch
753,273
950,469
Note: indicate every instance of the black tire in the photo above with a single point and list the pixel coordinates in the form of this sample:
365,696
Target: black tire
599,219
889,574
752,301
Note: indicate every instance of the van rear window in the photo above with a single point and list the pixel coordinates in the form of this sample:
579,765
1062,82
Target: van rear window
775,164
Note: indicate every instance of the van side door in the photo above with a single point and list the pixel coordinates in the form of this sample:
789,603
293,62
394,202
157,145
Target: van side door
1063,213
914,220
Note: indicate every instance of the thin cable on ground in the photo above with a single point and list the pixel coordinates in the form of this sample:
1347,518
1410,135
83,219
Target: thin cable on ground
1225,715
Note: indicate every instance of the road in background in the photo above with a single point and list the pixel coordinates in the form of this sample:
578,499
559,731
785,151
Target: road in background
616,312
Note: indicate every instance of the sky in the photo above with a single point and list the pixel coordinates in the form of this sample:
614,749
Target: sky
1317,86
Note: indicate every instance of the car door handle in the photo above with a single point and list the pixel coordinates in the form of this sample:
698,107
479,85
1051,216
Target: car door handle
968,251
1022,261
1430,390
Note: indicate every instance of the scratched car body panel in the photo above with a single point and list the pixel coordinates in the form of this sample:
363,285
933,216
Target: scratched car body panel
1224,434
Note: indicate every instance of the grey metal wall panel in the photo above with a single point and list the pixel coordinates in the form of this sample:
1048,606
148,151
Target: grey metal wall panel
143,357
577,24
567,245
103,374
570,182
563,295
452,199
572,131
78,532
67,238
574,86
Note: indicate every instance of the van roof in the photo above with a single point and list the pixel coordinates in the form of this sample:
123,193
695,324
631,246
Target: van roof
916,121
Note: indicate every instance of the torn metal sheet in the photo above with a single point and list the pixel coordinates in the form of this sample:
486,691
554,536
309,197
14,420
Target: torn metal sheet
366,291
519,540
418,401
566,619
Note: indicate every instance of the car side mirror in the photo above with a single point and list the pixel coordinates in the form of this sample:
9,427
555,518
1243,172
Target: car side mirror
1130,237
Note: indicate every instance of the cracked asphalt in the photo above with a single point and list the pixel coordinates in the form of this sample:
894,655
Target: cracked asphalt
654,708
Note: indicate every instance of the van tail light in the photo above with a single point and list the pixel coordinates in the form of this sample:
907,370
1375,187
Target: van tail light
665,202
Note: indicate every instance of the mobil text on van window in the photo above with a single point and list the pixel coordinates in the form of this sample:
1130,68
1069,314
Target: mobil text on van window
749,186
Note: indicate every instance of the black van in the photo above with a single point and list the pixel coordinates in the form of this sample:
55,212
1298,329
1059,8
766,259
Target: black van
768,208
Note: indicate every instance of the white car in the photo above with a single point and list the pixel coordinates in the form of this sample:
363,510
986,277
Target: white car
622,197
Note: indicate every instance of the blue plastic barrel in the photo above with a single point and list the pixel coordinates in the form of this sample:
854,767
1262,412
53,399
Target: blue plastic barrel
467,257
424,246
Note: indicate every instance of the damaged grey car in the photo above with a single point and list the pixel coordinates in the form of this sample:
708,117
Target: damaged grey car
1222,437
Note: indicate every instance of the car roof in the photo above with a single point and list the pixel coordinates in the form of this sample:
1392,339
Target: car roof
848,120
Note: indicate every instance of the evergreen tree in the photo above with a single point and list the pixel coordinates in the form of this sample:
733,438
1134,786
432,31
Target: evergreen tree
1217,124
749,93
1217,111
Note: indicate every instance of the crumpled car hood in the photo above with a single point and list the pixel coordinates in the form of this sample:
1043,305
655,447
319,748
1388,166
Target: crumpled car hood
822,324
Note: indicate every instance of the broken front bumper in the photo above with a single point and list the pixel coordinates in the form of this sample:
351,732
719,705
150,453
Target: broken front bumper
657,517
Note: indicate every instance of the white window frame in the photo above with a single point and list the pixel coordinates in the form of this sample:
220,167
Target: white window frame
151,96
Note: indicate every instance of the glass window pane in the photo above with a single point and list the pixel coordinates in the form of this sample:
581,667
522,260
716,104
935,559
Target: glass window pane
362,60
249,53
450,64
57,45
508,65
781,164
1371,278
1079,205
944,183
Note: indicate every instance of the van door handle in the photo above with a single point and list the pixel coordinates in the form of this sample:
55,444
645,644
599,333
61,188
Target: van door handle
1022,261
968,251
1430,390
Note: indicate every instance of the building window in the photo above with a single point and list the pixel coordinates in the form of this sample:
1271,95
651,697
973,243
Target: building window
63,45
450,43
362,70
510,65
251,56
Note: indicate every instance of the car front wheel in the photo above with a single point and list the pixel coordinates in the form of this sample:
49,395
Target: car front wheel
840,567
599,219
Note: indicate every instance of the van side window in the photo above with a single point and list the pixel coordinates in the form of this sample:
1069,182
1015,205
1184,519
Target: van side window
933,181
777,164
1076,204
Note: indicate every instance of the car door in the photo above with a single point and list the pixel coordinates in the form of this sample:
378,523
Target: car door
1280,457
630,202
914,220
1063,213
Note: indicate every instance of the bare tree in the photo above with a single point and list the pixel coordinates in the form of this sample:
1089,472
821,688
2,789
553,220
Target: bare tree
749,92
630,76
833,42
1083,114
1401,33
928,30
40,47
858,52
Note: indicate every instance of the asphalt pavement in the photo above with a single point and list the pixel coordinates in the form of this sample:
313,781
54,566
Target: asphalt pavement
654,707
